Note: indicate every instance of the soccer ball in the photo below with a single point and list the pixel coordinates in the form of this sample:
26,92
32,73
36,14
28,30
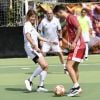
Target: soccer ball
59,90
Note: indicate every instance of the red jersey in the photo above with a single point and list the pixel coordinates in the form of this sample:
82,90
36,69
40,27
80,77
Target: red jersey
72,25
77,54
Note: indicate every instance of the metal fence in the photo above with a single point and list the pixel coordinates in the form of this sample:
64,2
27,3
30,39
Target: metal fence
11,12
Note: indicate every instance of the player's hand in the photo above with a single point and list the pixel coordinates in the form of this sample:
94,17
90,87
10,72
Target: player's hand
53,42
37,49
73,45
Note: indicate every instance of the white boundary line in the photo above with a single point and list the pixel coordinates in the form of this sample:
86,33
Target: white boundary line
55,65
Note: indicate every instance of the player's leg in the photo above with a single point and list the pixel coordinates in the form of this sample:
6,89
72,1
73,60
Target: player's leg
74,58
73,75
57,49
86,51
36,57
71,71
86,38
45,49
61,57
76,69
43,74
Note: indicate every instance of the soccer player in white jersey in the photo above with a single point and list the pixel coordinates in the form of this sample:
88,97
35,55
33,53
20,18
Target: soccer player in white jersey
51,28
31,47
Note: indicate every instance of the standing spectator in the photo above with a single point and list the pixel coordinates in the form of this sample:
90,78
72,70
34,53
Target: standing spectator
86,26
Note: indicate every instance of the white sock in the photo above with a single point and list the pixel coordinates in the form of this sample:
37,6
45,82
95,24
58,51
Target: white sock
64,65
37,71
86,51
43,75
76,85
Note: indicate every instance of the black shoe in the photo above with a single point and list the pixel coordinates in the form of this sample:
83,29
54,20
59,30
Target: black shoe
66,71
74,91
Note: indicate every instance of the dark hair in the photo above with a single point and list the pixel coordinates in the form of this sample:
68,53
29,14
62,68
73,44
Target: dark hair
84,9
58,7
30,13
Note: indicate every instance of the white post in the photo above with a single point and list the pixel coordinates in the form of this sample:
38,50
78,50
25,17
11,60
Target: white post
10,4
26,6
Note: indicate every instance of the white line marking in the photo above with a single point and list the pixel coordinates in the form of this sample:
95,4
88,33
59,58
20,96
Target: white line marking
12,66
25,68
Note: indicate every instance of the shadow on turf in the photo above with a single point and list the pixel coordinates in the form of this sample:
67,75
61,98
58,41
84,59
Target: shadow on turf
23,90
19,89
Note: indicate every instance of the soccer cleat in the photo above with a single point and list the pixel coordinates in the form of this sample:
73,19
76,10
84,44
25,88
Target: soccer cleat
28,84
74,91
41,89
66,71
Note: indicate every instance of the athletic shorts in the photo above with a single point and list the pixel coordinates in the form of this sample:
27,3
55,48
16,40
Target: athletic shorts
86,36
46,47
77,54
33,54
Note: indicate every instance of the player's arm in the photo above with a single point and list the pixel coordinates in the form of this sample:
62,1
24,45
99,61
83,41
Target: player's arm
60,37
44,39
90,25
77,26
60,34
78,33
29,38
68,45
59,29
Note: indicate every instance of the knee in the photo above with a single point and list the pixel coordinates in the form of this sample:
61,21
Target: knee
69,67
44,54
45,67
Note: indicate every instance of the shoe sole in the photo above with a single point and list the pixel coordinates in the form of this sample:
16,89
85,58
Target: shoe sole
42,90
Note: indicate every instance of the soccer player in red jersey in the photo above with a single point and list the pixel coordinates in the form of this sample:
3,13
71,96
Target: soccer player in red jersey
76,45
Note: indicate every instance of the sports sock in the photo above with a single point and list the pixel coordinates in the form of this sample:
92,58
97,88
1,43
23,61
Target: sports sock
76,85
37,71
43,75
64,65
86,51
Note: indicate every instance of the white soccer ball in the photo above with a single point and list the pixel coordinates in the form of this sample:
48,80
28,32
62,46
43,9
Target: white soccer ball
59,90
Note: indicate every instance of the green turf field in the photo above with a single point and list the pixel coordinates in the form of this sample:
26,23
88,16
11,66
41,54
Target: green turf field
14,71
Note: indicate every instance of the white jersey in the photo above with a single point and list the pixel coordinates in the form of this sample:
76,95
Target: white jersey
28,28
50,28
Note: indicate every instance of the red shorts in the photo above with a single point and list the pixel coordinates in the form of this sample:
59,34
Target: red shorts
77,54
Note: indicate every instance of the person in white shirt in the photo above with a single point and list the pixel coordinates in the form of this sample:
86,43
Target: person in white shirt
51,28
31,47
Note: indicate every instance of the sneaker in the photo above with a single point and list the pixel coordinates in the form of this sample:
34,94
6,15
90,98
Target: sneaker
66,71
70,90
86,58
28,84
41,89
74,91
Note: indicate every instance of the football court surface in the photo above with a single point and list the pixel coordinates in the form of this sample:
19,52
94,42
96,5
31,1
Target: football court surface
14,71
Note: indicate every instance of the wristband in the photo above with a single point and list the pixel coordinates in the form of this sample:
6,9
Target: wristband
60,39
